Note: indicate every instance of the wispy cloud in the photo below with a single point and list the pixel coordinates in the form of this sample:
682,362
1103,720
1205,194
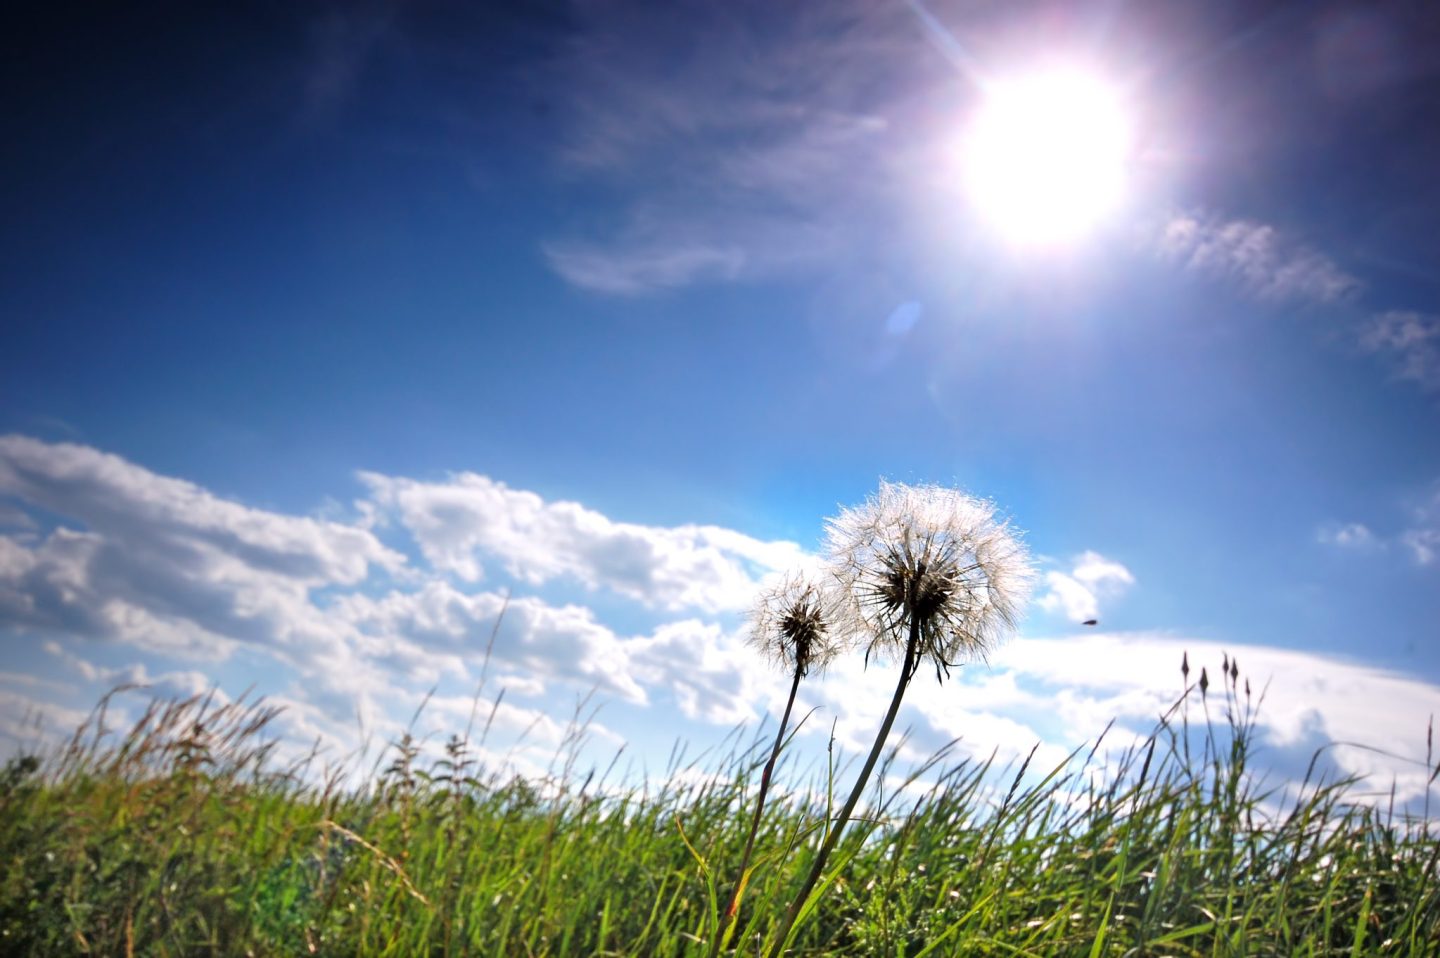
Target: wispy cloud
1422,538
1409,342
342,40
1351,535
180,684
1260,259
730,173
643,263
32,723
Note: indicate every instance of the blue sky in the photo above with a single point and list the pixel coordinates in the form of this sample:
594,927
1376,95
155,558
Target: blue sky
326,325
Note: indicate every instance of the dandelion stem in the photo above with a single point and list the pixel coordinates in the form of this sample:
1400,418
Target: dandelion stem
732,908
907,671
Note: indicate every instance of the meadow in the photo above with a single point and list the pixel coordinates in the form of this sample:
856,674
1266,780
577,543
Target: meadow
184,836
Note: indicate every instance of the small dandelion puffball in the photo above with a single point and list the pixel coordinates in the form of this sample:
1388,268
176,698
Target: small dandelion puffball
792,623
935,557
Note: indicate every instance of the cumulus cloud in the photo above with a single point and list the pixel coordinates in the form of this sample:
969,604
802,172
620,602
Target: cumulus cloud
1261,260
153,562
120,553
714,677
113,497
160,561
1409,342
706,669
457,521
1077,594
538,641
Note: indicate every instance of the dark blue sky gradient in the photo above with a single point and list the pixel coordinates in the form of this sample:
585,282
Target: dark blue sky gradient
263,246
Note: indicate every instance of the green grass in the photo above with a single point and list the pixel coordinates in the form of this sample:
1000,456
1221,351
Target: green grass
182,837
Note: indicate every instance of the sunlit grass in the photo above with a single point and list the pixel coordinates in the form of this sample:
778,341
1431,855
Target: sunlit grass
182,837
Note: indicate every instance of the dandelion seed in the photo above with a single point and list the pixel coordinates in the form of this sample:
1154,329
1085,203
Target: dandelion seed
932,557
925,574
791,624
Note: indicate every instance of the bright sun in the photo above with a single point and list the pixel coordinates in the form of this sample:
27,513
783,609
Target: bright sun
1045,156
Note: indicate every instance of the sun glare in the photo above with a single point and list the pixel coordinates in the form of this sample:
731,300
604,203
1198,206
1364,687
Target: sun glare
1045,156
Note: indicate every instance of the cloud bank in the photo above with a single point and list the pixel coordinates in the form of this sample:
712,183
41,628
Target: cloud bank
120,575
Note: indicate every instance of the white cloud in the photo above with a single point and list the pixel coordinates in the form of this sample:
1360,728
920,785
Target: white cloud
165,566
1309,699
643,264
13,518
1423,536
162,565
1409,341
155,556
1420,539
1422,543
1077,594
160,561
30,724
1351,535
1062,694
706,669
177,684
693,566
711,673
179,519
1257,257
535,642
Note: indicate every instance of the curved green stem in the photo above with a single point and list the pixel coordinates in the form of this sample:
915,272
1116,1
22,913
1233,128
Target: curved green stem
907,671
732,908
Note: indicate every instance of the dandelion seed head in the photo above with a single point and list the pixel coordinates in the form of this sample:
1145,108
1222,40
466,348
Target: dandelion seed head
935,556
793,623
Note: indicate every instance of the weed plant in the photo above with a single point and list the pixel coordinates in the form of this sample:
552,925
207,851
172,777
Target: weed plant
185,837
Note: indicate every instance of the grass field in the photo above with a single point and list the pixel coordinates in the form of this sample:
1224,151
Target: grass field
182,837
